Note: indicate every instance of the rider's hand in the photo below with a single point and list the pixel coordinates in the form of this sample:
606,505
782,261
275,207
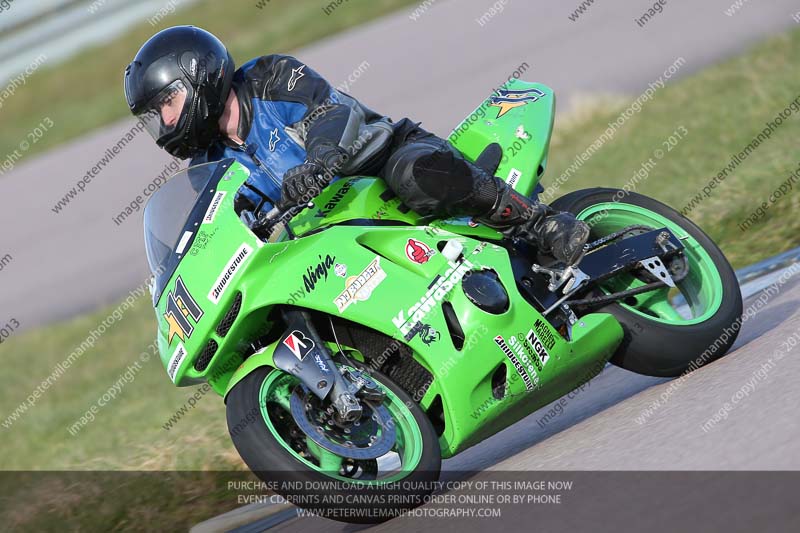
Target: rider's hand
304,182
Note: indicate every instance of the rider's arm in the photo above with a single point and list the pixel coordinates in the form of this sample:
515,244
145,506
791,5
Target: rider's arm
322,120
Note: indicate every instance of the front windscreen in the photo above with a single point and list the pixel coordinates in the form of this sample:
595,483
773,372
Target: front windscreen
166,233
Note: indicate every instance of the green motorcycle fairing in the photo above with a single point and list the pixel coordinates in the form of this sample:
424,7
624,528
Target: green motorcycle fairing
363,256
519,117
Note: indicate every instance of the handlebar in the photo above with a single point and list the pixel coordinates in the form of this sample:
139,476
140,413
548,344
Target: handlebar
265,222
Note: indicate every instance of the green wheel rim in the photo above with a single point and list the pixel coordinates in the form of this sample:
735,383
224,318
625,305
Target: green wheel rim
276,390
702,288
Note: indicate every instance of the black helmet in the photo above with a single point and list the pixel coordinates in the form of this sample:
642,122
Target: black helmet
177,85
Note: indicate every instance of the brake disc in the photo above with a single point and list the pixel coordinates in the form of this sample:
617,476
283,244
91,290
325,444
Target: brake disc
369,437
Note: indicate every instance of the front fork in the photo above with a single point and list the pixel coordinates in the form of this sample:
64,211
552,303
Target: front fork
302,353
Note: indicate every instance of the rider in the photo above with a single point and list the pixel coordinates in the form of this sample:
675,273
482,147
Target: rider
295,132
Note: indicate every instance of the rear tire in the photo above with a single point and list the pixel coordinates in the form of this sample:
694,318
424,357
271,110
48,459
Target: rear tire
654,346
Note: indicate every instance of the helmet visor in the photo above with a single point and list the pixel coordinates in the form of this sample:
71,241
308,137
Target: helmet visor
167,111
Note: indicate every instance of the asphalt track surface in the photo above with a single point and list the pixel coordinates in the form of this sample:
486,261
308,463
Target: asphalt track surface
600,429
435,69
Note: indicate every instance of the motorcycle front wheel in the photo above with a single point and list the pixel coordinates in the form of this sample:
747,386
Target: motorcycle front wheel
279,451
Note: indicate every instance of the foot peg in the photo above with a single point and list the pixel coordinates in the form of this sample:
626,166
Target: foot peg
571,277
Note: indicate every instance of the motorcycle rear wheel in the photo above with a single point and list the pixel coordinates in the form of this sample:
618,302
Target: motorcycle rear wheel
660,340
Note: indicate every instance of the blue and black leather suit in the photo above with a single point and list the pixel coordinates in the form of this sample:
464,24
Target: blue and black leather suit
287,110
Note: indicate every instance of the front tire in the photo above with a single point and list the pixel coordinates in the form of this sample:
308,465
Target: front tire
270,442
658,340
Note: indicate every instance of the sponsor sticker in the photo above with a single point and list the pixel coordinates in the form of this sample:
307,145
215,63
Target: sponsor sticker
506,99
176,361
234,265
428,335
418,252
359,288
538,347
320,363
213,207
335,199
437,290
513,177
318,272
515,362
298,343
340,269
544,333
526,356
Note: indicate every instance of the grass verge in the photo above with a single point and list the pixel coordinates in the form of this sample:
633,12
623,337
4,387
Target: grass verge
722,108
85,92
168,480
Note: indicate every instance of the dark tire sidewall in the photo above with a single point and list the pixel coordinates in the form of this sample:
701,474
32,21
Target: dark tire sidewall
275,465
654,348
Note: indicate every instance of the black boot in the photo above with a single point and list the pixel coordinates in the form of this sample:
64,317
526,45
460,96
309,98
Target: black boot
556,233
464,188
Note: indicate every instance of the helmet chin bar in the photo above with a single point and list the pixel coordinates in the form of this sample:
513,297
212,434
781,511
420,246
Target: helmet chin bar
195,136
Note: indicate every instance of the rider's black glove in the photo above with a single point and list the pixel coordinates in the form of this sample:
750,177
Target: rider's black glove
301,183
305,181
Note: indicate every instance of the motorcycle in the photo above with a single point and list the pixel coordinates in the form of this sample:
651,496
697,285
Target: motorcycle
357,343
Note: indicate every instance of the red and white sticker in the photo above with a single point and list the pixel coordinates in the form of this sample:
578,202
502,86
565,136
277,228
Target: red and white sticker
298,343
418,251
